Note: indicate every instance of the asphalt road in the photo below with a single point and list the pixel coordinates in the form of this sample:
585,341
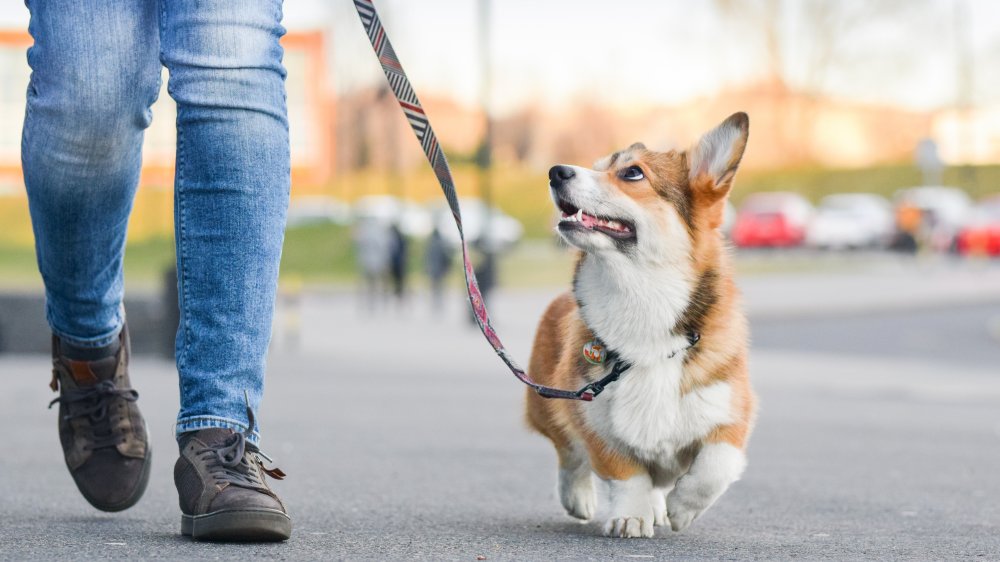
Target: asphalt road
402,438
966,334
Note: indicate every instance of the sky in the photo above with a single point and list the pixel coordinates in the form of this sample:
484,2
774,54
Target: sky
658,52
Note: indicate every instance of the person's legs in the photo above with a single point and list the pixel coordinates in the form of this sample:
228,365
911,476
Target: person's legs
231,195
95,72
232,185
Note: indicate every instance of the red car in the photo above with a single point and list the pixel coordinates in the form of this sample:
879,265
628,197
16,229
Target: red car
772,220
981,236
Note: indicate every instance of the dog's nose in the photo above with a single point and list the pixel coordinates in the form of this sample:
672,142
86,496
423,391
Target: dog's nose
559,175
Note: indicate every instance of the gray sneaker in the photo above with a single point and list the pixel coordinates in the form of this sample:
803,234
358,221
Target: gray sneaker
223,495
103,435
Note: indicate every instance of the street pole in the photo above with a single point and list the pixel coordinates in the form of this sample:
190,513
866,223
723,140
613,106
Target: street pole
964,101
484,160
488,266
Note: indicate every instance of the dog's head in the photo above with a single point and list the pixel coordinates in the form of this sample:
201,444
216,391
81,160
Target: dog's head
650,205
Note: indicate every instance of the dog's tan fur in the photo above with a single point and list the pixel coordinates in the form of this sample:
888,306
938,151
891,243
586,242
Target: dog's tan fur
673,191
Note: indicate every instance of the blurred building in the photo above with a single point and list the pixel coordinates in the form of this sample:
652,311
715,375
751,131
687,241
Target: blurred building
13,86
310,111
789,128
969,136
373,132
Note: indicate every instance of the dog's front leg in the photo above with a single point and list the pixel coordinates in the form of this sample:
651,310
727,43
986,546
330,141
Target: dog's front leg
631,512
716,467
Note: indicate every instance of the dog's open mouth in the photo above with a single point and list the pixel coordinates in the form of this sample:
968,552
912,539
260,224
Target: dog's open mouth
575,218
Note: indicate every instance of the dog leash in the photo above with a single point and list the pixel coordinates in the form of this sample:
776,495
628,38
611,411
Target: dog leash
421,126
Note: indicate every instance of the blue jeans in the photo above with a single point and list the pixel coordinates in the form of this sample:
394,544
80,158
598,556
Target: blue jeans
96,69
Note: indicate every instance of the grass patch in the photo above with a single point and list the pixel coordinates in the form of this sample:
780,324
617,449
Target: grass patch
146,262
537,263
325,253
144,265
318,253
18,269
521,192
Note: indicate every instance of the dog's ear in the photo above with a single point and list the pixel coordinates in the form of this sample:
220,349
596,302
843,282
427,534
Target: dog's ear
713,161
712,164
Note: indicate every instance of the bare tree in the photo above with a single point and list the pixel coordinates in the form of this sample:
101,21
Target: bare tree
807,41
819,32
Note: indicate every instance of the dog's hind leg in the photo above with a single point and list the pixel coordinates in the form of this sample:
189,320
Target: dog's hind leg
576,482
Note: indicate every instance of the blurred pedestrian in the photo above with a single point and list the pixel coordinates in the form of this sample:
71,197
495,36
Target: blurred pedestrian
373,244
908,226
398,262
96,70
486,273
438,263
289,311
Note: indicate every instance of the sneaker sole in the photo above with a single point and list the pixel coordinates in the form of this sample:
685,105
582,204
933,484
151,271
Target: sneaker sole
256,525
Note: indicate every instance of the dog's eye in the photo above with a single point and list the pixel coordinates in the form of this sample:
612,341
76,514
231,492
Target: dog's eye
632,173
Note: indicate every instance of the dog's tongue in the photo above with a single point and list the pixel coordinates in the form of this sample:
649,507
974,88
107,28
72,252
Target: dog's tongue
588,221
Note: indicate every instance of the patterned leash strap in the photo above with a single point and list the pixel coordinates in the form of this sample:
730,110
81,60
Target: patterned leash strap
428,141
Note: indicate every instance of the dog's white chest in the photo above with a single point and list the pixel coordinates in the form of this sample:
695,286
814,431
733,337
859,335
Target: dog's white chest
646,413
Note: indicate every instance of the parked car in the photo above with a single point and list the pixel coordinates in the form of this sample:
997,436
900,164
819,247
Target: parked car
317,209
944,210
772,219
412,219
850,221
981,234
504,231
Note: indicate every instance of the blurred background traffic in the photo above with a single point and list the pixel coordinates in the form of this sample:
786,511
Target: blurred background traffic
875,135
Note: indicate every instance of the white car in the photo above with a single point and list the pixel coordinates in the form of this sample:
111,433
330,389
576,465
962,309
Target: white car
412,219
504,230
317,209
849,221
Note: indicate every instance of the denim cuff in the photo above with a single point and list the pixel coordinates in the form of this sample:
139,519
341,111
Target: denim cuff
95,343
195,423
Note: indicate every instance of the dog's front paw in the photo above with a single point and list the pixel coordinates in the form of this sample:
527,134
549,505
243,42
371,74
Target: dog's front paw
629,527
714,469
577,495
632,511
681,515
580,502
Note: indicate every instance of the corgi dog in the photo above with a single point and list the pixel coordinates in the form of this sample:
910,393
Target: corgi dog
653,288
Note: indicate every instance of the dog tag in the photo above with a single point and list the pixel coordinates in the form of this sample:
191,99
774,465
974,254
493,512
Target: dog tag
594,352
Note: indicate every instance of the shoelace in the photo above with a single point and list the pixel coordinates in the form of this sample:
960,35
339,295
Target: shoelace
237,461
93,402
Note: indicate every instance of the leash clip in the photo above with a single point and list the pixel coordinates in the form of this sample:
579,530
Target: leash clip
590,391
